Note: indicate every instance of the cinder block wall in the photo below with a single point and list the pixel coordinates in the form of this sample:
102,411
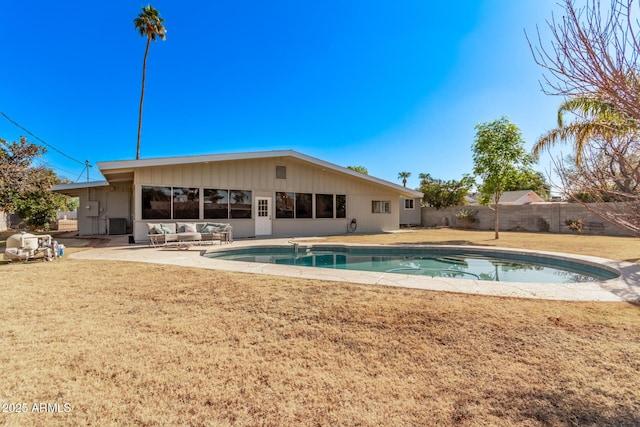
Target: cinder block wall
549,217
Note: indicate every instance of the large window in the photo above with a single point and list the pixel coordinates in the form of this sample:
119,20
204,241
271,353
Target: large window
156,202
186,203
300,205
285,205
216,204
225,204
240,203
294,205
324,205
304,205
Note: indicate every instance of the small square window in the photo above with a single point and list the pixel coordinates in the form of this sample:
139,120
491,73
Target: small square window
281,172
409,204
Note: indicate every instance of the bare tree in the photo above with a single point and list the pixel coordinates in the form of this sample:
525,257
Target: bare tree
594,54
606,181
594,49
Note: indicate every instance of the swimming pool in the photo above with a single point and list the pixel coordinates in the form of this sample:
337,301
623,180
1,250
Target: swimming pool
458,263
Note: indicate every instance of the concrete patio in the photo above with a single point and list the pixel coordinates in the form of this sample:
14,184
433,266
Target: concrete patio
625,288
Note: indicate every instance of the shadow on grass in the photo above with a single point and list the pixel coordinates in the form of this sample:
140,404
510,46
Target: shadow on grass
551,408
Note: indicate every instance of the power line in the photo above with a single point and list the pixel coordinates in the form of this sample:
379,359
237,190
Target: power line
50,166
85,163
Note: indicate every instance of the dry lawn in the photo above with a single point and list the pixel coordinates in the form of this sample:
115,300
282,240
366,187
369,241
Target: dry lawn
141,344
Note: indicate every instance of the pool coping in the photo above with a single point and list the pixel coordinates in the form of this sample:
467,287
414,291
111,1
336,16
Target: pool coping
624,288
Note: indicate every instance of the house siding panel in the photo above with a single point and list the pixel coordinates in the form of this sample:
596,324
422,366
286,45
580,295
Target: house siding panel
410,216
112,202
257,174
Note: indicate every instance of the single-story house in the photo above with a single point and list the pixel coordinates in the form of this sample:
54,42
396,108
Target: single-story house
520,197
272,193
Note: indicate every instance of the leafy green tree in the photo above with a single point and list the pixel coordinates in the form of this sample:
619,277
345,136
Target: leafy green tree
16,160
499,156
529,179
360,169
441,194
404,176
150,25
39,207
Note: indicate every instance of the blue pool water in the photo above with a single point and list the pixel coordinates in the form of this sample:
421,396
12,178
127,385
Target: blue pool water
453,263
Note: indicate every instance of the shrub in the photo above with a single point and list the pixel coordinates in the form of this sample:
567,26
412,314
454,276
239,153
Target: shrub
466,217
575,224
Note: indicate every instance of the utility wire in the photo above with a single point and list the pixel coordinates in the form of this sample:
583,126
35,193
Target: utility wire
50,166
85,164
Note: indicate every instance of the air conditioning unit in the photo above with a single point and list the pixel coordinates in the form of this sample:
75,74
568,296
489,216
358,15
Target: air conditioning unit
117,226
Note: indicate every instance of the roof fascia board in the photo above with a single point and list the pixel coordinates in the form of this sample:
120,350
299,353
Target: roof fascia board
79,185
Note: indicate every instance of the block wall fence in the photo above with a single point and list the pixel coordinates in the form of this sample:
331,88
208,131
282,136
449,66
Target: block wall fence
537,217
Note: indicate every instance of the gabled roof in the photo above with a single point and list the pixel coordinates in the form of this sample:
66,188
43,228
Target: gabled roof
515,196
121,170
507,198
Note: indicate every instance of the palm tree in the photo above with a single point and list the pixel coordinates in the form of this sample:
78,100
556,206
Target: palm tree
360,169
149,23
403,176
596,119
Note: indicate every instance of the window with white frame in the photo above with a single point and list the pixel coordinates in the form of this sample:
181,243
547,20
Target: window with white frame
409,204
381,206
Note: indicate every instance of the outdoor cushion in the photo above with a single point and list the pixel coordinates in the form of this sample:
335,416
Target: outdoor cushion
214,228
188,231
155,228
186,227
165,230
189,236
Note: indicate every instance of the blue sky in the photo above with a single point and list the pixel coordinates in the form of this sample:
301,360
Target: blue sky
392,86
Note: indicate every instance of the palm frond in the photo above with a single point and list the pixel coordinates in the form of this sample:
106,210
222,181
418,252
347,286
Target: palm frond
595,119
150,24
581,133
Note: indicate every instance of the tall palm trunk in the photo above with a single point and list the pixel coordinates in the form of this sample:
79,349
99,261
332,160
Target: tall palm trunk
144,74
